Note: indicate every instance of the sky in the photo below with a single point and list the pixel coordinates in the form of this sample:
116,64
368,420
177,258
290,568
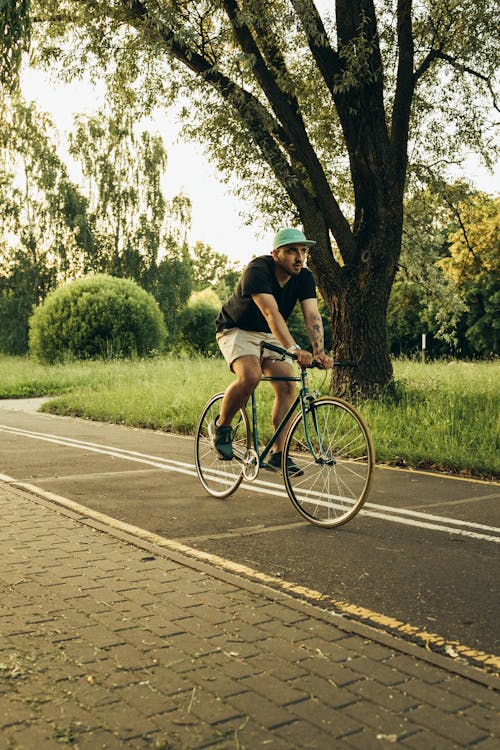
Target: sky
216,218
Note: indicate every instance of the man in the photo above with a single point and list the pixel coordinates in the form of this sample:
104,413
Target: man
257,311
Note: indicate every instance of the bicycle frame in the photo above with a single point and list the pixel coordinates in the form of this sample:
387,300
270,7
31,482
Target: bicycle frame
302,397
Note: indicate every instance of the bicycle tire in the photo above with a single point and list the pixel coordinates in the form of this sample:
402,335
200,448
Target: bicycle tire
219,477
337,464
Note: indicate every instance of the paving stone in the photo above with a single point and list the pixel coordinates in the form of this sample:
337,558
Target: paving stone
318,688
35,736
435,695
335,723
268,713
280,668
381,720
384,695
276,690
303,734
211,709
381,672
447,725
340,675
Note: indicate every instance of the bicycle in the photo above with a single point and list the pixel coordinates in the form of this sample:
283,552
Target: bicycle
327,440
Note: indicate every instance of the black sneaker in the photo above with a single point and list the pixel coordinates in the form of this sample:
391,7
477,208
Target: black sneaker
221,439
274,464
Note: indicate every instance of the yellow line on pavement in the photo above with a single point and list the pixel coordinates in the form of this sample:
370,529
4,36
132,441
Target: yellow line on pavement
454,649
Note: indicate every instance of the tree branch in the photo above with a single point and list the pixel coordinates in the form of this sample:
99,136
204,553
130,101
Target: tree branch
405,87
326,58
466,69
286,108
265,131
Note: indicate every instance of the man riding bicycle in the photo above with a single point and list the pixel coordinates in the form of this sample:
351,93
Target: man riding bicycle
257,311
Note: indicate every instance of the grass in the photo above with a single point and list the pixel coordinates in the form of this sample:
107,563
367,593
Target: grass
444,415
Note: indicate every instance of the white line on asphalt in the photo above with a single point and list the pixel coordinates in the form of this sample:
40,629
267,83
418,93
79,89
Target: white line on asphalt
374,510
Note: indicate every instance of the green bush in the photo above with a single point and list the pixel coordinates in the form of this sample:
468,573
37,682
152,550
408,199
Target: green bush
96,316
198,328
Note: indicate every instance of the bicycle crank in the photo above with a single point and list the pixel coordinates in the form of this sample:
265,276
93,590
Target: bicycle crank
250,464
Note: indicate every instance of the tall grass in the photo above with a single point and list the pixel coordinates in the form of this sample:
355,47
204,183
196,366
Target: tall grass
442,415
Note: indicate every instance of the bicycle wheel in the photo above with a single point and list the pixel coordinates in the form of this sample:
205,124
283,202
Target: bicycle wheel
335,455
220,478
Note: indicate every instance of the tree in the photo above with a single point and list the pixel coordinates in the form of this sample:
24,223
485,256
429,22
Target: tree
122,169
138,233
423,298
171,288
198,323
473,264
314,115
213,269
43,230
447,282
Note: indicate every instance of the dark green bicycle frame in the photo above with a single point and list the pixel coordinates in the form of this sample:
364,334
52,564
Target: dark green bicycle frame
302,398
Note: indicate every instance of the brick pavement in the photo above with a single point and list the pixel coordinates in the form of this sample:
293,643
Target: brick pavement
113,643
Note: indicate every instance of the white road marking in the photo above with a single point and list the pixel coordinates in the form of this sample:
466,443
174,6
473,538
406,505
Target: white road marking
398,515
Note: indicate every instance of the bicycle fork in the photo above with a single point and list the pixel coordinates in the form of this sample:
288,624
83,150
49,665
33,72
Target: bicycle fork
322,455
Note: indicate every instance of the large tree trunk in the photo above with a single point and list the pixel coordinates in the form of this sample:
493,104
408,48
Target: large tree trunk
357,296
358,317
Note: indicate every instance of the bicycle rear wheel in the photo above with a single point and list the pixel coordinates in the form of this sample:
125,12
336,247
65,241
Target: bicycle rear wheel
220,478
334,453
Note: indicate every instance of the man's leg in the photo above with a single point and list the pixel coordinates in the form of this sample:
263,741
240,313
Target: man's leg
285,393
248,373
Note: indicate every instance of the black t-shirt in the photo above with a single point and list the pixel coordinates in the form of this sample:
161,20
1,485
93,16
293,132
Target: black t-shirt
240,311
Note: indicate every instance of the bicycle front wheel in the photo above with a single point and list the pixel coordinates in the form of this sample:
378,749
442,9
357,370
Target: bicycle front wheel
333,452
220,478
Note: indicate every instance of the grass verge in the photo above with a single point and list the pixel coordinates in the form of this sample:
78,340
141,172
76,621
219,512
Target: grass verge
444,415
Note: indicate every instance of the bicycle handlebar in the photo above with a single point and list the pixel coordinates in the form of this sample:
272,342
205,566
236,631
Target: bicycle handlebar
286,353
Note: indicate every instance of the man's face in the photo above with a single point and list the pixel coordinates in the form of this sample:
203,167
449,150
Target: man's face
291,258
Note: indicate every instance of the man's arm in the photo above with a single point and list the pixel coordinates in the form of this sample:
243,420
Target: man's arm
314,327
269,308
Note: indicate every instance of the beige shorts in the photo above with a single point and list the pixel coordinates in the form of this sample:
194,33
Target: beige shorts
235,342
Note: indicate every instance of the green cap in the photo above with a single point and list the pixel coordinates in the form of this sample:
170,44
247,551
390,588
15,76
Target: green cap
290,237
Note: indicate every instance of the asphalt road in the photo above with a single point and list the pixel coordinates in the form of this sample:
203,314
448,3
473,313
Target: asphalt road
424,550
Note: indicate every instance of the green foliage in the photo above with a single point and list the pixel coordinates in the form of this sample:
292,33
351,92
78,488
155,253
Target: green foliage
198,327
448,281
96,316
473,264
213,269
171,287
130,219
21,287
43,230
404,321
15,28
297,327
311,113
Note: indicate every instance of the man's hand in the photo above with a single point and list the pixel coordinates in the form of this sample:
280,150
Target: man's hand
303,357
325,362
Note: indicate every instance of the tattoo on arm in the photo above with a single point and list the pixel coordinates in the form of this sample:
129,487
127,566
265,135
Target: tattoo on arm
315,333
